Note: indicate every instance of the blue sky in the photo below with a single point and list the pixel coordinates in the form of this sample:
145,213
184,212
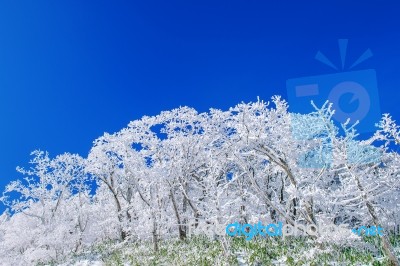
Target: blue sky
72,70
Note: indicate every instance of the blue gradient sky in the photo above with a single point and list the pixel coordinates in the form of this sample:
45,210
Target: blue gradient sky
72,70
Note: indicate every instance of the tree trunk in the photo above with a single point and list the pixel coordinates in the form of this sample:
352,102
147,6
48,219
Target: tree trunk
181,227
155,235
386,246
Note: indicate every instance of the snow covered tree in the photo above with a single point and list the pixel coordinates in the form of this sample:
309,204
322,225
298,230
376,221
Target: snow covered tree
163,176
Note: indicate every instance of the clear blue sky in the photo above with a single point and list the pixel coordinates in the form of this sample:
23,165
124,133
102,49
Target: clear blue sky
72,70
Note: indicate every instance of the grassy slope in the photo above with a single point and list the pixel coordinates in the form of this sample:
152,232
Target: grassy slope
202,251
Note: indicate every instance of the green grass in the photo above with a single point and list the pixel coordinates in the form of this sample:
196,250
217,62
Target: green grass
270,251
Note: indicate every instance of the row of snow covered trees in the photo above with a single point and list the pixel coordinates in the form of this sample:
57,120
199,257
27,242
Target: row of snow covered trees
255,162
